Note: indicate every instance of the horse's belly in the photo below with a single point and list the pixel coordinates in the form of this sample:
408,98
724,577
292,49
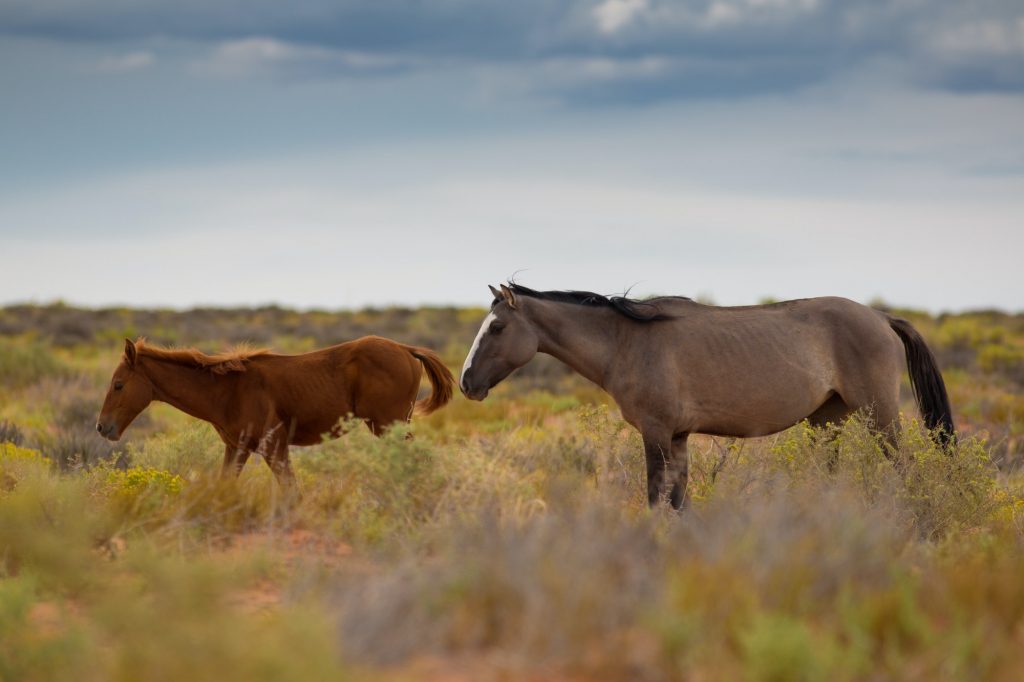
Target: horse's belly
312,433
756,413
744,430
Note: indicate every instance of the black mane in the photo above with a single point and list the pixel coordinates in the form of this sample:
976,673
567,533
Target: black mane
634,309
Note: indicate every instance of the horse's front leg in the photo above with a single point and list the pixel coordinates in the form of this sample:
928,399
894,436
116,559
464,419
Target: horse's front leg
658,452
667,467
275,454
678,472
235,457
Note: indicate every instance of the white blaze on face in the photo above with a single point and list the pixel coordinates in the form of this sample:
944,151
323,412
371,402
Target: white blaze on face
476,345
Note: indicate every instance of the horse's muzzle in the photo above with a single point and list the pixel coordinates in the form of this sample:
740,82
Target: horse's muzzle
108,431
473,393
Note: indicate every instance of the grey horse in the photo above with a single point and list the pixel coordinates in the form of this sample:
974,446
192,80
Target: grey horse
676,367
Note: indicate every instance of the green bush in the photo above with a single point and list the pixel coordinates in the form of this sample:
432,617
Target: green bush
1002,359
140,489
380,487
190,451
779,648
24,362
66,652
969,332
18,463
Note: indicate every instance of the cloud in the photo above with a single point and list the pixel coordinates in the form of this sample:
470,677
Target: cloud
631,81
990,38
264,55
307,230
705,47
977,56
132,61
724,14
611,15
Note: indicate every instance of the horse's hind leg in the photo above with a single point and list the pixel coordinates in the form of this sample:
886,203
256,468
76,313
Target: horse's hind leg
678,471
378,429
874,387
667,464
379,426
882,407
886,421
833,411
393,414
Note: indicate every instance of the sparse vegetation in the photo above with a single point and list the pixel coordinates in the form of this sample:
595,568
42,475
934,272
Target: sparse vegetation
510,537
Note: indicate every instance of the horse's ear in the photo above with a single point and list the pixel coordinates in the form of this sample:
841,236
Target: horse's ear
510,298
494,292
130,353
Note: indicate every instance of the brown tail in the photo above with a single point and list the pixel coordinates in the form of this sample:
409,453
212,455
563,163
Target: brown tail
441,380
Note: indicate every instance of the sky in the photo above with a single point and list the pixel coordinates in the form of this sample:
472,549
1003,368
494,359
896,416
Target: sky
341,154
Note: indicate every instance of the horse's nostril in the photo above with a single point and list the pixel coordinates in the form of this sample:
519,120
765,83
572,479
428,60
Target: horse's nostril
99,428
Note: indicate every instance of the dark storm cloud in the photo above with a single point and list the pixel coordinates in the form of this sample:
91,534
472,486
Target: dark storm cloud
458,28
586,51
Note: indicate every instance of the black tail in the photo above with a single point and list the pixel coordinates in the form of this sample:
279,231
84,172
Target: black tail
925,379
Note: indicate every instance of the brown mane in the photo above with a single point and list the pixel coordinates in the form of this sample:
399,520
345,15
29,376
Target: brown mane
233,360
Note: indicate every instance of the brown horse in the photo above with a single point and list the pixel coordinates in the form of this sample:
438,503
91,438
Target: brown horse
261,401
677,367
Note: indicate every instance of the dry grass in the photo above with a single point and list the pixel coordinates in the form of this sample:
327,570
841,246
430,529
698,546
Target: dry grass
506,540
809,556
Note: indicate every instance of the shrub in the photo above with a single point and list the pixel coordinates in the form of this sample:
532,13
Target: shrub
77,448
969,332
779,648
10,433
380,487
194,449
1001,359
48,527
510,538
945,489
66,652
18,463
24,362
137,480
545,589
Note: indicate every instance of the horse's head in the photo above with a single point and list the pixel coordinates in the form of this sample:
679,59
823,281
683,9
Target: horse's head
129,394
506,341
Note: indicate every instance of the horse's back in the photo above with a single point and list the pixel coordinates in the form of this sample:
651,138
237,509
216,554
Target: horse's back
365,365
786,327
842,347
858,336
372,378
843,337
828,319
753,370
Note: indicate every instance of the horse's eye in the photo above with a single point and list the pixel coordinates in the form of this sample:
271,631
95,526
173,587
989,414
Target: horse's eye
118,385
496,328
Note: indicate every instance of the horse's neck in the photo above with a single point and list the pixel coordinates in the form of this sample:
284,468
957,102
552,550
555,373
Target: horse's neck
190,389
582,337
